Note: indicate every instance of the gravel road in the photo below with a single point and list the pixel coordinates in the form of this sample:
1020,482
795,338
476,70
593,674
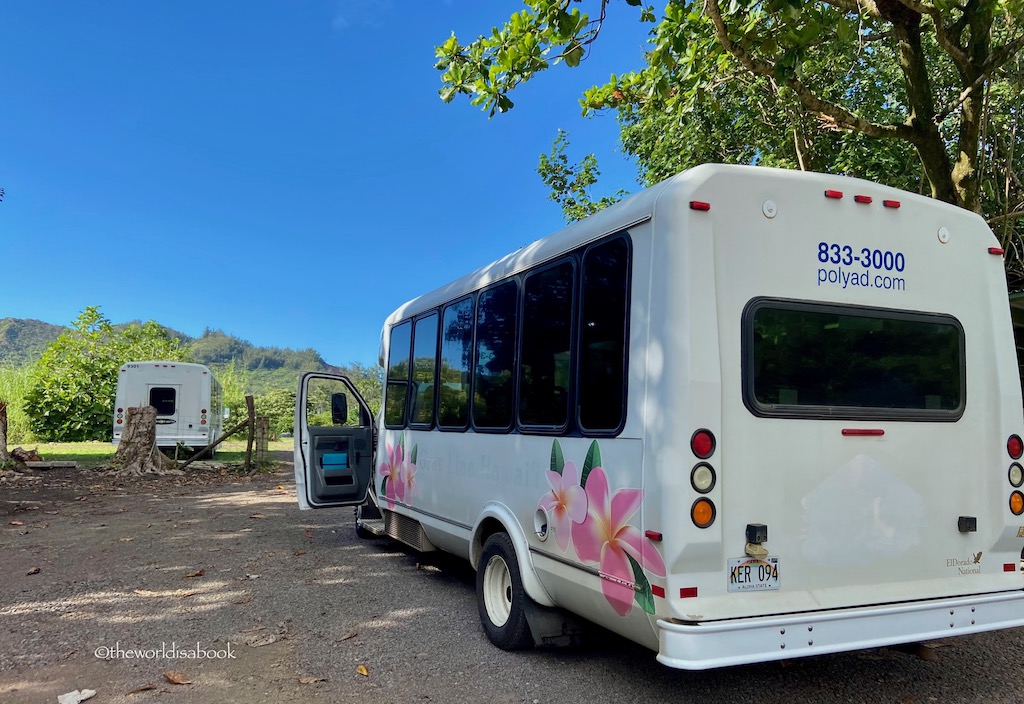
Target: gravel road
291,606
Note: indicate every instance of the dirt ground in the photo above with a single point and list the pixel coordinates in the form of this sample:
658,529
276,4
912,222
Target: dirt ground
124,586
119,586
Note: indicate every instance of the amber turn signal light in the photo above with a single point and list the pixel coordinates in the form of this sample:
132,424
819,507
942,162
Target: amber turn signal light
702,513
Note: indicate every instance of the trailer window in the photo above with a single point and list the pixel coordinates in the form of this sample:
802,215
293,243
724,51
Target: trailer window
816,360
162,399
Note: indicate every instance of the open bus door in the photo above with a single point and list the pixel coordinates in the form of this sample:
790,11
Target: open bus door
334,442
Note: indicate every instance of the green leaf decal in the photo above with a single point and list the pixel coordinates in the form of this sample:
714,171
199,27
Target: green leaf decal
557,459
415,451
593,460
643,596
384,486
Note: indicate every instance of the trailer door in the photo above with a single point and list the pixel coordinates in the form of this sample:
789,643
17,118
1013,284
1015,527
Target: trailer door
334,442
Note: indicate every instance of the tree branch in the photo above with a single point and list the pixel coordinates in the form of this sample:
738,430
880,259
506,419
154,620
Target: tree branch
996,59
854,6
1005,216
943,36
834,116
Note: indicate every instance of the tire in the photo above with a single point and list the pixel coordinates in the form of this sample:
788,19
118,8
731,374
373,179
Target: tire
501,598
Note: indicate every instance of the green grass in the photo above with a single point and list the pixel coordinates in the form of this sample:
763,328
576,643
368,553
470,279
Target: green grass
92,454
86,454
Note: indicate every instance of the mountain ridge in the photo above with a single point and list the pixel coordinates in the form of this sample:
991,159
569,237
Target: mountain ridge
23,340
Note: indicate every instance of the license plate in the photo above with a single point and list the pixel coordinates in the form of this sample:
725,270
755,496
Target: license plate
751,574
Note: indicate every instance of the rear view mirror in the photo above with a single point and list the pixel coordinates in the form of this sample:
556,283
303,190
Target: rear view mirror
339,408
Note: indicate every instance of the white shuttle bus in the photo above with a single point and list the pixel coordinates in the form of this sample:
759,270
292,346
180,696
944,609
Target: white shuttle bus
744,415
187,398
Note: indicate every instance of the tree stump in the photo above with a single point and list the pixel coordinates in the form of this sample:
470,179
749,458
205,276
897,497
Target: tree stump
138,454
4,455
8,458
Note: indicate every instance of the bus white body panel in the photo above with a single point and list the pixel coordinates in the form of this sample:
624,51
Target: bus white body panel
187,397
845,348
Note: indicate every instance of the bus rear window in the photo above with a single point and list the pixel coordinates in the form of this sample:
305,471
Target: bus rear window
828,361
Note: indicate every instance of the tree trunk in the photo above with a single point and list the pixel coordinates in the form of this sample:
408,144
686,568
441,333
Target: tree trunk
138,454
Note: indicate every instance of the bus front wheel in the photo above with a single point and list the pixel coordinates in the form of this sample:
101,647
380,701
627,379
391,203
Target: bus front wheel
500,595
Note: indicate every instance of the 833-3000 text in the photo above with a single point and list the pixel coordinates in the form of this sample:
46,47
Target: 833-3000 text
867,258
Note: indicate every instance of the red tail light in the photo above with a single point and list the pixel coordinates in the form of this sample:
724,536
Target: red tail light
1015,446
702,444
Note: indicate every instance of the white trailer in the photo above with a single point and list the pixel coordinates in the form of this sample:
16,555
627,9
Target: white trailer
187,398
745,415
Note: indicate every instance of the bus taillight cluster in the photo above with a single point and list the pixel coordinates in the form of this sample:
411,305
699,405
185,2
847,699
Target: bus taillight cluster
1015,448
703,478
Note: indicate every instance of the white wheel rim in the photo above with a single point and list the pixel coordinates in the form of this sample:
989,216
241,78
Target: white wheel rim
497,591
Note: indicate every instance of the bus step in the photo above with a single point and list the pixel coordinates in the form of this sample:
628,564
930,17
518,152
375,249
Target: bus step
374,526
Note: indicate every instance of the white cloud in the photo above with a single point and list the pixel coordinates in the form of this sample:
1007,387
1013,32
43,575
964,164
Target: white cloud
361,13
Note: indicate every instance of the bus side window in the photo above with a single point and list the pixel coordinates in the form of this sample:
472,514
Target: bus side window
396,394
494,364
424,363
456,356
604,326
545,365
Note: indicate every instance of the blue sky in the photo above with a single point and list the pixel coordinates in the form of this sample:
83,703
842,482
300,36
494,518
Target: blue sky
284,172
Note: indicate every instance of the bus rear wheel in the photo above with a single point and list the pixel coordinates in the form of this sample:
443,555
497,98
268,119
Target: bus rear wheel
501,598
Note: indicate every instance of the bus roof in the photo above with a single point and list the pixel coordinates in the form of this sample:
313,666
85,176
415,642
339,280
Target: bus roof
640,208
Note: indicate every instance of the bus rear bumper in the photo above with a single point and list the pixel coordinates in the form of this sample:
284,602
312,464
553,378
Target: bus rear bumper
701,646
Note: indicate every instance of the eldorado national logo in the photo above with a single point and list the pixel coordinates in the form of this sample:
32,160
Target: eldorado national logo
972,565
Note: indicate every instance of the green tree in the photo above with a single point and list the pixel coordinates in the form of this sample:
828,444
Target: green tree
74,382
234,383
916,74
279,406
571,184
368,382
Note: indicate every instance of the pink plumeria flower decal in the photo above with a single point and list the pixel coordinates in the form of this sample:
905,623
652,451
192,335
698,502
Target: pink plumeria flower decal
606,539
565,504
408,475
393,484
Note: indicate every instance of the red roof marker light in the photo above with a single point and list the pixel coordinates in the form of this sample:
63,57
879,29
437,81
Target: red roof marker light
699,205
834,194
891,203
862,199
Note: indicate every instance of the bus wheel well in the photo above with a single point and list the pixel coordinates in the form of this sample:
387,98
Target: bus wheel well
487,528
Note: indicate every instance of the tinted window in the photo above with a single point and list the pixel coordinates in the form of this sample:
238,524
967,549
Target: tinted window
396,395
424,361
603,335
808,359
493,388
456,355
162,399
545,364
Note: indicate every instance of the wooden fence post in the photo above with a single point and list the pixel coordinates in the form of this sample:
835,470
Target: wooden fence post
250,406
262,438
